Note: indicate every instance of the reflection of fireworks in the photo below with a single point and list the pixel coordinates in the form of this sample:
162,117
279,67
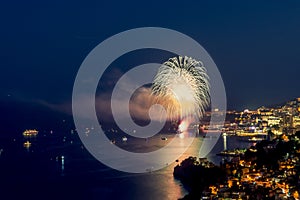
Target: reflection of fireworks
181,86
183,126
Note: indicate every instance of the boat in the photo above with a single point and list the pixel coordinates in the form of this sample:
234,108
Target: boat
255,139
30,132
232,153
251,139
113,141
249,134
150,170
27,144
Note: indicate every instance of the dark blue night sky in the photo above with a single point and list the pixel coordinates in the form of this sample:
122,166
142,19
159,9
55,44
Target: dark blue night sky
255,44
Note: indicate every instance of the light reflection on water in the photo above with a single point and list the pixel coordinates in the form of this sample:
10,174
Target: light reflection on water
161,184
168,188
153,185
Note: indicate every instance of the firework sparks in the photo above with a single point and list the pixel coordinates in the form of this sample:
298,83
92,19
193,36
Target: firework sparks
181,86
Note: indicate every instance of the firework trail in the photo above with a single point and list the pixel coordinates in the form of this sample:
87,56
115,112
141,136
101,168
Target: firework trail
181,85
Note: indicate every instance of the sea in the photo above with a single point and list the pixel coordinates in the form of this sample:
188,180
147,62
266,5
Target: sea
58,166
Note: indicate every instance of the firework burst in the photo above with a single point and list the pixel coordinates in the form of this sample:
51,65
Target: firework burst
181,85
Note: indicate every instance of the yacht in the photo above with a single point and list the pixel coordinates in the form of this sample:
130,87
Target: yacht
255,139
28,133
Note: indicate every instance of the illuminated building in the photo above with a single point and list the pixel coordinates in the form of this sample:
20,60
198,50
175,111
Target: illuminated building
296,121
272,120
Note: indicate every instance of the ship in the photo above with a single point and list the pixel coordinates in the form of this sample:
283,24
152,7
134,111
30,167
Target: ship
255,139
251,139
243,133
27,144
29,133
232,153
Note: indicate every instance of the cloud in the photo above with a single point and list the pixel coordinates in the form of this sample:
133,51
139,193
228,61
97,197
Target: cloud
139,105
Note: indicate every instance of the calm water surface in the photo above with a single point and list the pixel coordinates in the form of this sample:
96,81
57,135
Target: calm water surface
58,166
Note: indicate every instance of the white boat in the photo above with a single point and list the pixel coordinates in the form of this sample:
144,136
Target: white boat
27,144
255,139
124,139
